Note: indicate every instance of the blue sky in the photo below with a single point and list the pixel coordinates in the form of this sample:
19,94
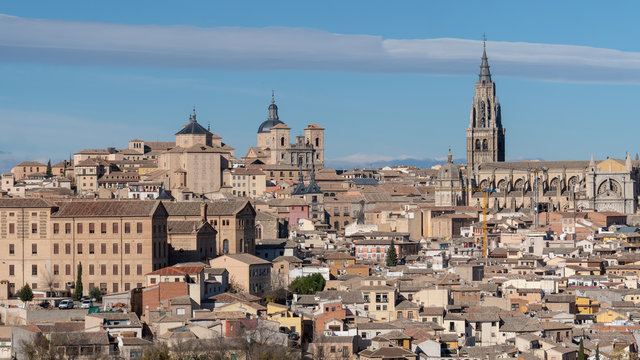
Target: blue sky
387,79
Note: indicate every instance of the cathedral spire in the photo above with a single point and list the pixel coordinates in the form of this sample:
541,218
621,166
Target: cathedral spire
485,74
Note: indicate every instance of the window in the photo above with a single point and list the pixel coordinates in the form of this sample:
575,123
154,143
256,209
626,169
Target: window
12,270
67,269
34,249
92,228
115,287
79,228
12,249
12,228
103,228
103,269
115,228
67,228
34,228
79,248
34,270
139,248
115,248
67,249
126,269
91,248
180,311
225,246
139,270
127,228
127,248
452,326
56,228
115,269
103,248
91,269
139,228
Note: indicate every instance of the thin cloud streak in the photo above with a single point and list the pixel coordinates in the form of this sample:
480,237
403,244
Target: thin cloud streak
301,49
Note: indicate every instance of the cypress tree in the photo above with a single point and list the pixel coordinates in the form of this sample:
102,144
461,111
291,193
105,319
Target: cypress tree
581,351
49,170
78,294
392,257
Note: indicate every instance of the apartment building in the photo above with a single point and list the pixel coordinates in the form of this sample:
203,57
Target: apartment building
117,243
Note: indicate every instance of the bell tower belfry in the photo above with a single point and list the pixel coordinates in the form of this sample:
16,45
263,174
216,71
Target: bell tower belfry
485,134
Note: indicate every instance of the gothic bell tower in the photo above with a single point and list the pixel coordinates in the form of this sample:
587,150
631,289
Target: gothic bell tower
485,134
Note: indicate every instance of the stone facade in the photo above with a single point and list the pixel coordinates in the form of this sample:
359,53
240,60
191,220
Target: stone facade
275,147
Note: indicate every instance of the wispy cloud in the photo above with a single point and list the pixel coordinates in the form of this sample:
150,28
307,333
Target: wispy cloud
281,48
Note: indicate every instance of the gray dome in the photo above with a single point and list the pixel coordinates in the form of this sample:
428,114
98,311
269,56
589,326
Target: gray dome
266,125
272,119
449,171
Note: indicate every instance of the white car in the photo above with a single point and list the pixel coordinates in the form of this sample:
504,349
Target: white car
66,304
86,304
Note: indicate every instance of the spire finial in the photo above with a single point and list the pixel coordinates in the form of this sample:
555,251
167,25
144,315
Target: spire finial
485,74
193,116
449,156
273,97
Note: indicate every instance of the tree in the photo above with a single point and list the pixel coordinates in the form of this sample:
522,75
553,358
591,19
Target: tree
581,351
49,170
157,352
598,352
95,293
25,294
307,285
39,348
78,293
392,257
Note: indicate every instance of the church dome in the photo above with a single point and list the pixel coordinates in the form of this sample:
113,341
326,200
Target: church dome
449,170
272,119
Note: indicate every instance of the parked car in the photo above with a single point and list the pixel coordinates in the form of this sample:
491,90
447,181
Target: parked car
66,304
44,304
86,304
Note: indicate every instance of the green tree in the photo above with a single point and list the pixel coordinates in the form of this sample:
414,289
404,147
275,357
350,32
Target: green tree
49,171
392,257
581,351
307,285
95,293
78,294
25,294
598,352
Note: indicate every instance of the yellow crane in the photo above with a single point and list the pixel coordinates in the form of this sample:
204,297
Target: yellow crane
485,212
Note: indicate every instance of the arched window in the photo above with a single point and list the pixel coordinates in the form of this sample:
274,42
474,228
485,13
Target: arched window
554,184
317,142
225,246
242,245
282,141
477,144
258,232
485,144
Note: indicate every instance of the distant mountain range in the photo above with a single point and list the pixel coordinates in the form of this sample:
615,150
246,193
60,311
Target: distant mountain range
426,163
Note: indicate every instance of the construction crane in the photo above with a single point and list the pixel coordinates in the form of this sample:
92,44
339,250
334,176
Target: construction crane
485,212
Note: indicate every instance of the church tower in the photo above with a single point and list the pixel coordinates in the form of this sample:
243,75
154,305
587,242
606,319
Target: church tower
485,134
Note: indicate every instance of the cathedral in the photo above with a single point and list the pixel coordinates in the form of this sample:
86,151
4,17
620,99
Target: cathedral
585,185
275,148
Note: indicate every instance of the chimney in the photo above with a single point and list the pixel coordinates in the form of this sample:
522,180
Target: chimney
203,212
